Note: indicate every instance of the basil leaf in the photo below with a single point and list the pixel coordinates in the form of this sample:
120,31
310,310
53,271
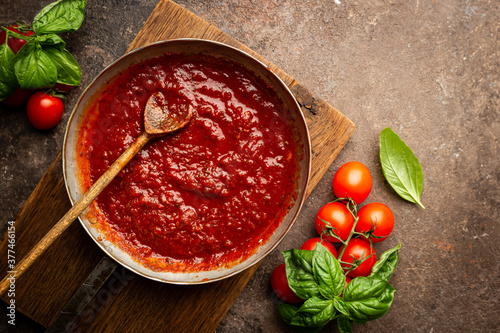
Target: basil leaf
68,70
51,39
386,264
303,258
287,312
327,272
34,68
344,324
299,274
340,305
8,81
368,298
315,311
60,16
400,167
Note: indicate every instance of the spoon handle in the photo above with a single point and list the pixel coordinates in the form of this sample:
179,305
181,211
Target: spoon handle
77,209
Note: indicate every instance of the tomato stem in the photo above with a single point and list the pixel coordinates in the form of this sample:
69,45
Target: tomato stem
330,231
354,213
23,26
350,235
356,262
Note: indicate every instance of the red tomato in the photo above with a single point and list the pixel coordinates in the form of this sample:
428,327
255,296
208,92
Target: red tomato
358,249
334,217
311,245
376,215
44,111
352,180
347,280
15,44
18,98
279,283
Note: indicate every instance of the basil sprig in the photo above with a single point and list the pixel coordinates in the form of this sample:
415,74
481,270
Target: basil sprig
400,167
317,277
43,61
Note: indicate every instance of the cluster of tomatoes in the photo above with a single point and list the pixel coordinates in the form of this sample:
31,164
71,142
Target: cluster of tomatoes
44,109
340,222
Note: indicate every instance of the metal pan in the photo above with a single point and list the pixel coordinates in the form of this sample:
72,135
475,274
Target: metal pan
186,46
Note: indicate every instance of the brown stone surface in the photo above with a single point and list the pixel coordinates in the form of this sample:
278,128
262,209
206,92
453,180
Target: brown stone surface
428,69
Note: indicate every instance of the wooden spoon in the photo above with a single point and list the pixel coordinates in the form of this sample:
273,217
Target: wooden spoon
159,120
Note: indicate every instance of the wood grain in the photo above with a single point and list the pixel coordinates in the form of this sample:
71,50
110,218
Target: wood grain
129,303
49,283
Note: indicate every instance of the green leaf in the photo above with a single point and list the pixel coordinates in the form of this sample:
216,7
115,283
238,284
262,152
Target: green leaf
340,305
68,70
299,274
34,68
287,312
400,167
8,81
315,311
51,39
60,16
303,258
368,298
345,324
386,264
327,272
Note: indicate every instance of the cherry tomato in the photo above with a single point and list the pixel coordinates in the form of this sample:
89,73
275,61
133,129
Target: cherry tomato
376,215
347,280
359,249
15,44
279,283
311,245
352,180
19,98
334,217
44,111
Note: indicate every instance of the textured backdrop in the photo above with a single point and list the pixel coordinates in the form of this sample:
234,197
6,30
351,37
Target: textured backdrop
429,69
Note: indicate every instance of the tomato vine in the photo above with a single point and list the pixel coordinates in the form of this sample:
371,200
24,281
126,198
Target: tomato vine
353,288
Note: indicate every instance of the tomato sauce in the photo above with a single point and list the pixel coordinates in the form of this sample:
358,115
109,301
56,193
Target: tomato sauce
207,196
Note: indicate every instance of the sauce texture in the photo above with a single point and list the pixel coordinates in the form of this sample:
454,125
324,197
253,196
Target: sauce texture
207,196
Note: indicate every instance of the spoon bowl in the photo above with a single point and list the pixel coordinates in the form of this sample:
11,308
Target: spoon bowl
161,118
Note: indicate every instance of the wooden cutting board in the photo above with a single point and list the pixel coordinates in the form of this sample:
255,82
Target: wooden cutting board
130,303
